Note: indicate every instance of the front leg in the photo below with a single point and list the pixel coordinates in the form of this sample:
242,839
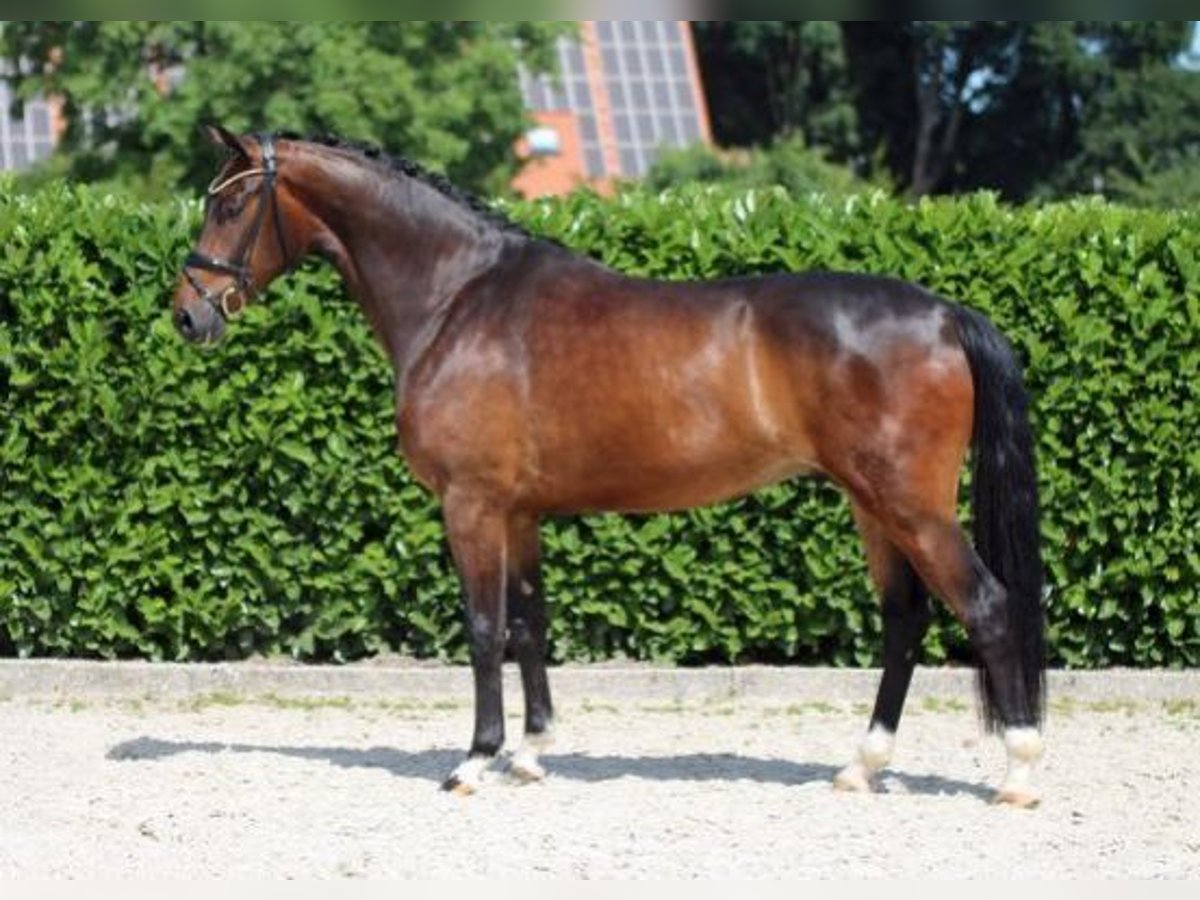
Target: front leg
527,637
476,530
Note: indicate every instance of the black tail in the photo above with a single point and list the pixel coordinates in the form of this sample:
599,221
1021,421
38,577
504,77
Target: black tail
1004,495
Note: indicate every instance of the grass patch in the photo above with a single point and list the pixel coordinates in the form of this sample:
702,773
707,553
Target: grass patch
675,706
1127,707
404,708
943,705
1187,708
318,702
821,707
591,706
217,699
401,706
1182,708
1066,707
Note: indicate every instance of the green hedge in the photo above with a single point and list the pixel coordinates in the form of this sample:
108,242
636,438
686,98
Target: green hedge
160,501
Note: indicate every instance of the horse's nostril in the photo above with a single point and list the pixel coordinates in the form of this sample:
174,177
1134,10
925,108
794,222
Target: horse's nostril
183,321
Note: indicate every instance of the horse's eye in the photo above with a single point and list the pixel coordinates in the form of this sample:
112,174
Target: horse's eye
226,206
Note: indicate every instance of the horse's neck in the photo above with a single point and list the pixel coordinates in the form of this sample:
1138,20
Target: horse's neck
403,250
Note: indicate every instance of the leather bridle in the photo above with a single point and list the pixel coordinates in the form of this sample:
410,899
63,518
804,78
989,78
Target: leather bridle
240,270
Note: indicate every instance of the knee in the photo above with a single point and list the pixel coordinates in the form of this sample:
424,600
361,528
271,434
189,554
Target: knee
486,638
521,635
526,625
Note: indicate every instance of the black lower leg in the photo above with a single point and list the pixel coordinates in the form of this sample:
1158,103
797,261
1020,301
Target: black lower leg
477,535
486,626
906,617
487,655
527,638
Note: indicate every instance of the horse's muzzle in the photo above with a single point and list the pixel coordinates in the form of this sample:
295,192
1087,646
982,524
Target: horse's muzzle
199,323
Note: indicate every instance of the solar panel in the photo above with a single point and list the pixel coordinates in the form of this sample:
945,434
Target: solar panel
646,71
651,97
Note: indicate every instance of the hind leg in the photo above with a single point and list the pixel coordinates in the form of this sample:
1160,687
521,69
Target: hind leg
946,561
906,616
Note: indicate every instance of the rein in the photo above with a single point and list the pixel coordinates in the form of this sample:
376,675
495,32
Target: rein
240,270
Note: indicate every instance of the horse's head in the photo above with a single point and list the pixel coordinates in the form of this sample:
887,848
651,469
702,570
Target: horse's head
242,245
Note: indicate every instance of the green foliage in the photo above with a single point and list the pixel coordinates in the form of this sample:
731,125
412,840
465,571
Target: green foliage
788,162
135,93
767,78
1141,139
163,502
1026,108
1175,187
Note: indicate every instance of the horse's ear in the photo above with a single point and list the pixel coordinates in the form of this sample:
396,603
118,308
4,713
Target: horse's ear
222,137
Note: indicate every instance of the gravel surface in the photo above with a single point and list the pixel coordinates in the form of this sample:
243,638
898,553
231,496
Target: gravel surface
329,787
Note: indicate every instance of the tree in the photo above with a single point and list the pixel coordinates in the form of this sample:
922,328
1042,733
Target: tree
1140,139
1002,105
134,93
771,79
1070,89
787,162
919,85
1024,108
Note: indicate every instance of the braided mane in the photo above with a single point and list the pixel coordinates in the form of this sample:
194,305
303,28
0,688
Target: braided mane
402,166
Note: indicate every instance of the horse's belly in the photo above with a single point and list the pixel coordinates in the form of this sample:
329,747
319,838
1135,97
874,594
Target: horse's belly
641,483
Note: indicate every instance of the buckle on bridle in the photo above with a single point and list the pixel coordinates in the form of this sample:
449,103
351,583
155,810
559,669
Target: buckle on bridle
228,309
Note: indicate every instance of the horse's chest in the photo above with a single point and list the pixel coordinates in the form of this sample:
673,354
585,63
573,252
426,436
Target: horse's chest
473,435
421,463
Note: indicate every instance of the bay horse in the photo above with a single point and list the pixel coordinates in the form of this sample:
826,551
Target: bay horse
531,380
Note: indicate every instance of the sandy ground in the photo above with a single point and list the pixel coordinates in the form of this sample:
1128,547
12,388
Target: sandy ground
226,786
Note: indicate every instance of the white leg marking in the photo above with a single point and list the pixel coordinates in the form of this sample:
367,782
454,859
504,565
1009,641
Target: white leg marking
525,766
1024,746
468,777
873,754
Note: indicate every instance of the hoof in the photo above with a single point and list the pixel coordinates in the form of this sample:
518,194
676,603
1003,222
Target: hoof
523,767
468,777
1015,798
853,780
526,772
459,788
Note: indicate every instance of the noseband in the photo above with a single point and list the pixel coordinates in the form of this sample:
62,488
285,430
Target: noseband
240,270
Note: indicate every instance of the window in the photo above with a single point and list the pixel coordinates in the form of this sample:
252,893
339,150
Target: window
26,140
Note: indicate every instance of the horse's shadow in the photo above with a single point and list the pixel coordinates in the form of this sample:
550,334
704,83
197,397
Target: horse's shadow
432,765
